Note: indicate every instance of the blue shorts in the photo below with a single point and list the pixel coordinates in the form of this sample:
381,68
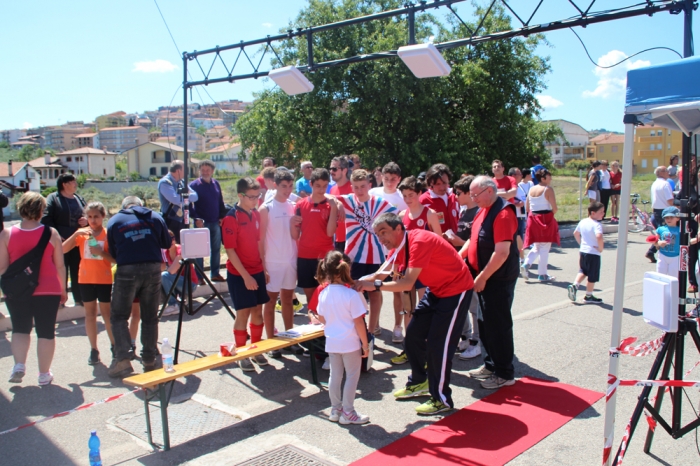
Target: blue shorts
522,225
358,270
242,297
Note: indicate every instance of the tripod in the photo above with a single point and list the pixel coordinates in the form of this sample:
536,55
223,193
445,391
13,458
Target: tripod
185,271
671,353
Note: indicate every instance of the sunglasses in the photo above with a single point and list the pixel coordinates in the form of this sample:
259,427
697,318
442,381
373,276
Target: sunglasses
334,169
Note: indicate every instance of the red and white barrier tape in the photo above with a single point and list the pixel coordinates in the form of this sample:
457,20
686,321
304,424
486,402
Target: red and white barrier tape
71,411
643,349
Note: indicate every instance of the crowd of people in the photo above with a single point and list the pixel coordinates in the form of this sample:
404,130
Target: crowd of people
449,255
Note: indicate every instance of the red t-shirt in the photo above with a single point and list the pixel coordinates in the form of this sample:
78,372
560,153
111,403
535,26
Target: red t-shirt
443,270
448,214
616,178
341,191
314,241
507,183
504,227
242,233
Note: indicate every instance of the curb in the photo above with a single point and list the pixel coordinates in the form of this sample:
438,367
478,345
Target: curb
69,313
569,232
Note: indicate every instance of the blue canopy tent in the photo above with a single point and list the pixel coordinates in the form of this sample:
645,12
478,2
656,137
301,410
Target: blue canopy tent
668,96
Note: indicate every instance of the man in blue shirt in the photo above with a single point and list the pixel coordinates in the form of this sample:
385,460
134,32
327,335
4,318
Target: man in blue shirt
303,186
207,212
135,236
536,165
171,201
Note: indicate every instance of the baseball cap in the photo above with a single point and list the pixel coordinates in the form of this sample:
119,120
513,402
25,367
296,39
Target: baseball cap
671,212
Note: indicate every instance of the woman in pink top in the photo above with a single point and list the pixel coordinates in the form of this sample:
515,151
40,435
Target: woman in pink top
41,308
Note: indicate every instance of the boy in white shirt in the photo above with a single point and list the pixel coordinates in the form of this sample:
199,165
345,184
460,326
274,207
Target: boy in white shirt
391,177
589,235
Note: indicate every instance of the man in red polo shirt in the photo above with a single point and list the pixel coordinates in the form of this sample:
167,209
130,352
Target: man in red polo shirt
437,322
439,198
340,171
507,186
493,258
246,275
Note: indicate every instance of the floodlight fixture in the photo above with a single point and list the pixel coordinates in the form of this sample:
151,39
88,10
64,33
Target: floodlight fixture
291,80
424,60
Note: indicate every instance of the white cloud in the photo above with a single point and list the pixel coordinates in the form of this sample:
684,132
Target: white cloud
612,81
267,25
547,101
27,125
155,66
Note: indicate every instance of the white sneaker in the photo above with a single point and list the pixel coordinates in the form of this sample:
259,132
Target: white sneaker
335,415
326,364
171,310
377,331
46,378
353,418
397,337
462,345
524,272
471,352
17,373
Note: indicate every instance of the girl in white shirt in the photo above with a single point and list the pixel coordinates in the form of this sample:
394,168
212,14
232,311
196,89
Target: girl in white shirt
341,309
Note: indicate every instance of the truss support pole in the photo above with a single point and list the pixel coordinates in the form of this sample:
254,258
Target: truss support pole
412,26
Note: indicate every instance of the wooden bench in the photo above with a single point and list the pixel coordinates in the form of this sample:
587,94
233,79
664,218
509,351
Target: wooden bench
158,379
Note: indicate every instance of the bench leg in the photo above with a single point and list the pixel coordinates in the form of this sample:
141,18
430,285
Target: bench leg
164,416
148,419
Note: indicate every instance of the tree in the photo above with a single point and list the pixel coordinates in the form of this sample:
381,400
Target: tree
485,109
5,145
131,121
201,130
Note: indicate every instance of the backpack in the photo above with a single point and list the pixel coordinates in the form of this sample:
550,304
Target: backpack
22,276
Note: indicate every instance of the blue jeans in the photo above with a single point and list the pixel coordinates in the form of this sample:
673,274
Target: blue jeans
132,281
167,279
215,241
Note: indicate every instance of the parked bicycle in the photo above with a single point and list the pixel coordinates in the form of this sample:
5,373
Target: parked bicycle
640,219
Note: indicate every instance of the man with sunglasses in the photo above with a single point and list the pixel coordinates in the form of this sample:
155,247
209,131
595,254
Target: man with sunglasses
339,173
493,258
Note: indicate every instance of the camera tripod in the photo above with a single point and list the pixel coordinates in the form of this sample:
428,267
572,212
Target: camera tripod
185,271
671,354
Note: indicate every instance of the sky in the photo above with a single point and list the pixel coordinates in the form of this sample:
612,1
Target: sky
78,60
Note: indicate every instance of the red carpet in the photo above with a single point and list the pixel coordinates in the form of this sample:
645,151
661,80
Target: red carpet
492,431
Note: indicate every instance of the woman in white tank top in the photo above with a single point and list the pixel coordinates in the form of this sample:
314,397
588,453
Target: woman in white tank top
542,229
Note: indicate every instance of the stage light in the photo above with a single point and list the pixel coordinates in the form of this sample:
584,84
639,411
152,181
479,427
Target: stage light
291,80
424,60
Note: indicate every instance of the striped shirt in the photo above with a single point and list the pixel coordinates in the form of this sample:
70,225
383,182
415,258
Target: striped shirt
361,244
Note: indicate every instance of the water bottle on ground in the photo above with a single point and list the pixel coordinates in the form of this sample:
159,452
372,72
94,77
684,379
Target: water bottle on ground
94,446
167,353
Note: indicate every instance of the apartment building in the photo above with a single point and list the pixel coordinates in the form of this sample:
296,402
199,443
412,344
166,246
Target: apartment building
60,138
122,138
228,158
111,120
571,146
154,158
86,140
12,135
89,160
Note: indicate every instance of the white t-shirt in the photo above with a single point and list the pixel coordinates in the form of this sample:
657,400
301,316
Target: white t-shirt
589,228
604,179
280,247
395,198
522,193
661,193
340,305
271,193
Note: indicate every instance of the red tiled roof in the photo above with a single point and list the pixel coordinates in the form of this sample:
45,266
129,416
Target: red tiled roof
85,135
122,128
54,162
5,168
87,150
223,148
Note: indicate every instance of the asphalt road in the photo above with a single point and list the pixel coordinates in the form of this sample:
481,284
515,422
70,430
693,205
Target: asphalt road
555,340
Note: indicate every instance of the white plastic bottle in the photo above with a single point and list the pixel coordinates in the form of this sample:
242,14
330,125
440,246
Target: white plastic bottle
167,354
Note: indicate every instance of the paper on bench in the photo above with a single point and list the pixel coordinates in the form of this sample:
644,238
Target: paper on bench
300,331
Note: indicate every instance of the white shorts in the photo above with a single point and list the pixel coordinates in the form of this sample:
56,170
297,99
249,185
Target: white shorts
593,195
283,276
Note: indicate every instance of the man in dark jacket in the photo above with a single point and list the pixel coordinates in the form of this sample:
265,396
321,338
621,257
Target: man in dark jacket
135,237
493,258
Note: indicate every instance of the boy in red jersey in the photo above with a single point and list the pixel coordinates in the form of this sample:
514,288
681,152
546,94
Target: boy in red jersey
313,226
246,275
439,198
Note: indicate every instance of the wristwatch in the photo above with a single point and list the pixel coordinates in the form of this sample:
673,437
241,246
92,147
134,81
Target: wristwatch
378,284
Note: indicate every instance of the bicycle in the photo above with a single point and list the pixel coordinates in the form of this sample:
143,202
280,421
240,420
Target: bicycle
640,220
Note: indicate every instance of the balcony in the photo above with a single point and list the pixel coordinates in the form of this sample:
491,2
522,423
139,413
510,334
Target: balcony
650,139
650,153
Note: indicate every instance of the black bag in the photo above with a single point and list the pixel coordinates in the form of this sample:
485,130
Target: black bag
367,362
22,276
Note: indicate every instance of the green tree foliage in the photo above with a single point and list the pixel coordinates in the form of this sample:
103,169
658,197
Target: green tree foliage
4,145
485,109
201,130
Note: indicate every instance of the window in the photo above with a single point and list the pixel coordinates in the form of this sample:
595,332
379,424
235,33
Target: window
167,156
669,132
152,171
614,148
659,146
651,146
104,171
668,146
655,163
644,163
69,159
163,171
601,149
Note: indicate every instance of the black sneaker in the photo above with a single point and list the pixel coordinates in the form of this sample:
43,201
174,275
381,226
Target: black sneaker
157,363
650,255
132,353
275,354
592,299
294,349
94,358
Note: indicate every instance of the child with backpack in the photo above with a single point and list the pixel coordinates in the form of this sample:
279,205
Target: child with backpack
342,310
